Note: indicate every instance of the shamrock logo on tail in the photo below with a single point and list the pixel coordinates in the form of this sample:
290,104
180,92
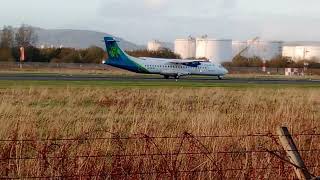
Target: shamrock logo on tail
114,52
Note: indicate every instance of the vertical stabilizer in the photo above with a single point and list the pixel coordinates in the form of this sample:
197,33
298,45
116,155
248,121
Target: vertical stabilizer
118,58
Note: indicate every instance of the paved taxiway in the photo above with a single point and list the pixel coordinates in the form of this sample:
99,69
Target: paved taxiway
59,77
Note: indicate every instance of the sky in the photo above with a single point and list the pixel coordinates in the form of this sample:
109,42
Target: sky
142,20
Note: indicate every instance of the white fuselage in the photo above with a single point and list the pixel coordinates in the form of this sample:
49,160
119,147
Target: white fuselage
166,67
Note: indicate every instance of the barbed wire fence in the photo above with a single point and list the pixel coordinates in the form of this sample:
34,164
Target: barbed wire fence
143,156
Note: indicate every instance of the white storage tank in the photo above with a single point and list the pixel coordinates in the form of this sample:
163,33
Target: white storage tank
306,53
266,50
300,53
186,48
312,53
297,53
154,45
289,51
237,47
217,50
201,50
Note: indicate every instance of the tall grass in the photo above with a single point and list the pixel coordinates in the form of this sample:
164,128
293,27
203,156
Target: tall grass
80,113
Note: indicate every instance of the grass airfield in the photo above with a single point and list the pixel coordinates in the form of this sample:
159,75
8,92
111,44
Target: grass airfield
37,111
147,105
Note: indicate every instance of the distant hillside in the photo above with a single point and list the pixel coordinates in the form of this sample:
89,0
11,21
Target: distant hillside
77,39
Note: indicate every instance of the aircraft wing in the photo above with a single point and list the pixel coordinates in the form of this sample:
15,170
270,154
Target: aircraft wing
178,61
173,61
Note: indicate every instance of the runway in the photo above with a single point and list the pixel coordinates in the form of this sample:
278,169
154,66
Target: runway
152,78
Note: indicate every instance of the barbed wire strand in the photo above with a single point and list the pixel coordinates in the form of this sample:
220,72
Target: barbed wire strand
152,137
142,173
156,154
274,152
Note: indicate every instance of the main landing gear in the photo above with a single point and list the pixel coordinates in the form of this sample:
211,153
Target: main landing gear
166,76
175,77
220,77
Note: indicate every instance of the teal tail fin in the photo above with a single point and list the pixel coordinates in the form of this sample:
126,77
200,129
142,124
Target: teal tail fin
113,50
118,58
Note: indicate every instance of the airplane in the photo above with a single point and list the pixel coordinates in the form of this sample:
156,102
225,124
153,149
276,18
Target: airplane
166,67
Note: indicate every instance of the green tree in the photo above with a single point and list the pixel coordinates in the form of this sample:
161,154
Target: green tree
26,36
49,54
280,62
67,55
255,62
164,53
7,37
240,61
6,55
93,54
32,54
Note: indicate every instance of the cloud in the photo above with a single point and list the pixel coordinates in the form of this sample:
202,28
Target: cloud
130,9
141,20
156,4
228,4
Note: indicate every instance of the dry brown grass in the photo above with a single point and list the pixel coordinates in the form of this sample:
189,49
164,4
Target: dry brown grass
41,113
85,70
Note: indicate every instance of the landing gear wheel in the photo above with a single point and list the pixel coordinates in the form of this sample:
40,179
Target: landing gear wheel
166,76
220,77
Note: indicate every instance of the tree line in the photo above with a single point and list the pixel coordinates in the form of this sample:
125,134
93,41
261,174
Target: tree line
25,36
162,53
277,62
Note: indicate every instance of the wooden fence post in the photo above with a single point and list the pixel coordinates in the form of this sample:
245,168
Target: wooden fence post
293,153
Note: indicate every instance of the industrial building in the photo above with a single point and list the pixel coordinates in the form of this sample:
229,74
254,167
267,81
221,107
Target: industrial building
155,45
186,48
218,50
238,46
266,50
222,50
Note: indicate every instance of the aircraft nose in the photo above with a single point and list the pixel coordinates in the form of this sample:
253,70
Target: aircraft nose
225,71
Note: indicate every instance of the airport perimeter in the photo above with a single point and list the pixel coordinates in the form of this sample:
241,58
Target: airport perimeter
91,123
61,129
